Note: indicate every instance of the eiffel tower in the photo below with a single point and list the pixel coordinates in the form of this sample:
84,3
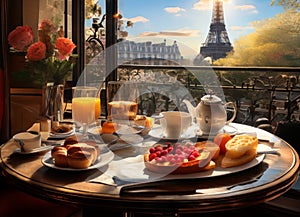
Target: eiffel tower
217,43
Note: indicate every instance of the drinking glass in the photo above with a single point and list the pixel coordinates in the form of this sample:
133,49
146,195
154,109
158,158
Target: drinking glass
122,101
83,106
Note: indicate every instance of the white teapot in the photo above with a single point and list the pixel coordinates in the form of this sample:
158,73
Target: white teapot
210,114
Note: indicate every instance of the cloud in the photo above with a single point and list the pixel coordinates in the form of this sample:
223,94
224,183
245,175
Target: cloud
250,8
139,19
174,10
244,7
177,33
202,5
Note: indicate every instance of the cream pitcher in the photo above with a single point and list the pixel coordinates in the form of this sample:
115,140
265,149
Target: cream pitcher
210,114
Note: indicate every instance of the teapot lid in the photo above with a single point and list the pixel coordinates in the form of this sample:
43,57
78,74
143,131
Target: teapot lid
211,99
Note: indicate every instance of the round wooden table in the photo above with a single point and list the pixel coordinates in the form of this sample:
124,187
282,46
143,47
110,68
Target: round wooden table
269,179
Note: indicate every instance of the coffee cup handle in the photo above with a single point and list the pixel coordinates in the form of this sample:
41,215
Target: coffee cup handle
21,143
234,112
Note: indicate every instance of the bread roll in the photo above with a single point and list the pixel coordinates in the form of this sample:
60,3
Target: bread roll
227,162
77,156
240,149
80,159
59,155
94,144
84,148
70,140
239,145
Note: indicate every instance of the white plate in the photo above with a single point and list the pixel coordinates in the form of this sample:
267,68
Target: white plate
61,135
136,171
156,132
104,159
219,171
36,150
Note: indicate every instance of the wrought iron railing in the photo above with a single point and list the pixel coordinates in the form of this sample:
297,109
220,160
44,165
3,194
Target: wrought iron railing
272,92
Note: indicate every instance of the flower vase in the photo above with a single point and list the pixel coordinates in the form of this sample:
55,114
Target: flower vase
53,98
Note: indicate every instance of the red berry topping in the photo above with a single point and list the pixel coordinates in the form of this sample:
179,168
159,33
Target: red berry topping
174,154
191,157
152,150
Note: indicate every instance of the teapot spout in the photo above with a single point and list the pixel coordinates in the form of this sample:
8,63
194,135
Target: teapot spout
191,109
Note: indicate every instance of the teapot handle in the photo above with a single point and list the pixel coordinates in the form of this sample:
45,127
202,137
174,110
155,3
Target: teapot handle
234,112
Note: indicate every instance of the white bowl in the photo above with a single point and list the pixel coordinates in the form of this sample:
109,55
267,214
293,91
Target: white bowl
28,141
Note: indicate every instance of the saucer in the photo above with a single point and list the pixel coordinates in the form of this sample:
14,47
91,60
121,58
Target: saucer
157,133
44,147
226,129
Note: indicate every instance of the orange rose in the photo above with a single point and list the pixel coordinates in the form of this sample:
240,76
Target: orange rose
21,37
64,46
37,51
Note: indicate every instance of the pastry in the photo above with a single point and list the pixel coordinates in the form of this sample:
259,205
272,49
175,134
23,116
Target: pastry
240,149
80,159
140,120
84,148
108,127
59,155
71,140
178,159
77,156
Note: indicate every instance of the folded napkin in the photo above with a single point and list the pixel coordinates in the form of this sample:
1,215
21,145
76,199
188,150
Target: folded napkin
125,171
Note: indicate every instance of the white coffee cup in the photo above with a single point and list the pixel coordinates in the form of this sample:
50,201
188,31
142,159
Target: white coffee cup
28,141
175,123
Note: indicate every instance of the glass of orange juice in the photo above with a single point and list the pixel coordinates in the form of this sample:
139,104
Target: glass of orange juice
97,107
83,106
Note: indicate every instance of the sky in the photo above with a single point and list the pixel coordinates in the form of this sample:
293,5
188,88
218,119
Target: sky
187,21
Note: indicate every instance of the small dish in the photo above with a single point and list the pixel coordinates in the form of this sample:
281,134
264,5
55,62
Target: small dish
103,160
61,135
62,128
156,132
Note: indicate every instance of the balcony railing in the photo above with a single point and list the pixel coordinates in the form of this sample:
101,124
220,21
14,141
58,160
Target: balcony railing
271,92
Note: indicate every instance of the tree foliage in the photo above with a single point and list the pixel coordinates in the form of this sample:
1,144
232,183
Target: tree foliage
275,42
288,4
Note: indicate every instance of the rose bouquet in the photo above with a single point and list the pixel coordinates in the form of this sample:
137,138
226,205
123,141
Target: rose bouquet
50,59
